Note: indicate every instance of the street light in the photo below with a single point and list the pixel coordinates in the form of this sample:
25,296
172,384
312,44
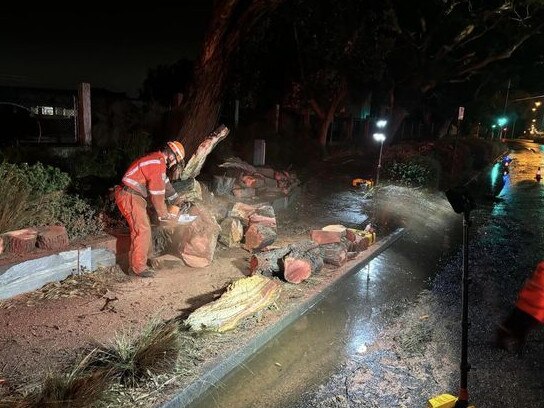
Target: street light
381,123
379,137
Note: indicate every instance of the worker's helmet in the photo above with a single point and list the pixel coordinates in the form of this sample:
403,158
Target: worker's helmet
178,150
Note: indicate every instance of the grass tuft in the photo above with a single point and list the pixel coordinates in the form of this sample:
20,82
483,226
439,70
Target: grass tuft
134,360
79,389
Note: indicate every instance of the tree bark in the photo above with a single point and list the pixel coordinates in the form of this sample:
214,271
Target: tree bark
230,22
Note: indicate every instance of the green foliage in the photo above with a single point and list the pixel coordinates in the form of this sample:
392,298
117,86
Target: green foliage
415,172
76,214
35,195
40,179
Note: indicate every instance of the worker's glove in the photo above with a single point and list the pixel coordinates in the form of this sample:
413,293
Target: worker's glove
168,219
184,207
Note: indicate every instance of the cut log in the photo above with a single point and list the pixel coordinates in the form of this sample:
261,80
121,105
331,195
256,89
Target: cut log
271,262
243,192
300,265
248,181
268,263
52,237
21,241
259,219
2,245
242,299
258,236
334,254
266,210
326,237
232,232
359,244
242,211
335,228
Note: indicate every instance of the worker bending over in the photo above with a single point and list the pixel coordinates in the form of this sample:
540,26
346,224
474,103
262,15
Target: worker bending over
146,179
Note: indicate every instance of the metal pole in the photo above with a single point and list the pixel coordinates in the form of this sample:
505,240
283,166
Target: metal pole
507,94
513,127
462,402
379,164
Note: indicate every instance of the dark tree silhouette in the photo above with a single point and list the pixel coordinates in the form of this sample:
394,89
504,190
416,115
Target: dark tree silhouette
231,22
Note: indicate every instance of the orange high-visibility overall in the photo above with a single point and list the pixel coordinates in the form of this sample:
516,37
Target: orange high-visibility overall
145,175
531,296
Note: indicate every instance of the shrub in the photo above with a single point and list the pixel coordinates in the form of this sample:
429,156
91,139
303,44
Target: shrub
34,195
419,171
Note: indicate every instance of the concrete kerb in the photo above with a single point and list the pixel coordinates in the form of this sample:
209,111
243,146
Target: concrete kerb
220,369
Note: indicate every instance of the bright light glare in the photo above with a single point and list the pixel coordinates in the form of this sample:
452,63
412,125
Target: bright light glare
378,137
502,121
381,123
537,104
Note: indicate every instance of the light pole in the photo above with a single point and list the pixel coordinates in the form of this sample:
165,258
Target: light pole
379,137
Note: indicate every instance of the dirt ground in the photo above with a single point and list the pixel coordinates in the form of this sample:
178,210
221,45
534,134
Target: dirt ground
46,330
415,357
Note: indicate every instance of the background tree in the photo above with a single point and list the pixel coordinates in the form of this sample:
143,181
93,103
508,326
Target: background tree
440,43
230,24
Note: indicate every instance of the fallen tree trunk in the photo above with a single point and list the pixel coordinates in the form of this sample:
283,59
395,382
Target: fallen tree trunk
242,299
271,262
268,262
300,265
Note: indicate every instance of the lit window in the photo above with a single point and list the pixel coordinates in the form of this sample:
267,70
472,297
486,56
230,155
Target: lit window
69,112
35,110
48,110
59,111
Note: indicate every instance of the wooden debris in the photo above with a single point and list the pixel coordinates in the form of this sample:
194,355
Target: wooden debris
52,237
268,262
334,253
193,167
300,265
243,298
242,211
232,232
326,237
258,236
195,242
336,228
21,241
243,192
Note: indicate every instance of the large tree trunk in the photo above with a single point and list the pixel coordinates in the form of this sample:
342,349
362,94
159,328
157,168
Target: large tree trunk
231,20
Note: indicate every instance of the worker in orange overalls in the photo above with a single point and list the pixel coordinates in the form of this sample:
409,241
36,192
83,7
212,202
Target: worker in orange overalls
526,315
146,179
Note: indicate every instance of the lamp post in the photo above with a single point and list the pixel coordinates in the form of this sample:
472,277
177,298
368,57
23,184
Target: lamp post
379,137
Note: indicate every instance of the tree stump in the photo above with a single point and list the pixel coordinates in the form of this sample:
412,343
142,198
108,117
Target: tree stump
21,241
52,237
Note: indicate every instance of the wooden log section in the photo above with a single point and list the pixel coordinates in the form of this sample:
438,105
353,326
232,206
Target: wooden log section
242,299
271,262
334,254
268,262
300,265
258,236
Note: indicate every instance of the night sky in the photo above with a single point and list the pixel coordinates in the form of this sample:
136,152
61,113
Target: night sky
111,48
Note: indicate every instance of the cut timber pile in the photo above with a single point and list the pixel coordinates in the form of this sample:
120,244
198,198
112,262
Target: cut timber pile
242,299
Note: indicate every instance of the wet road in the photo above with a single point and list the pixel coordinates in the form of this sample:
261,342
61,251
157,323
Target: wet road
299,361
